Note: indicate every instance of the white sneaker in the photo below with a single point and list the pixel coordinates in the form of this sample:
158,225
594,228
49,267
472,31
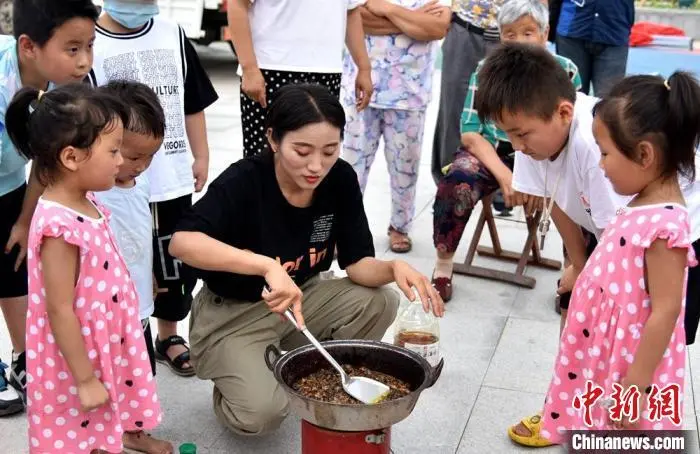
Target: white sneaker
10,400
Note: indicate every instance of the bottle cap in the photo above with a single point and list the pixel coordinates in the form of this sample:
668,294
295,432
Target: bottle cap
188,448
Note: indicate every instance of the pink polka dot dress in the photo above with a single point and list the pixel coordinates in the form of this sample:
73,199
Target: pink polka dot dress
607,314
106,306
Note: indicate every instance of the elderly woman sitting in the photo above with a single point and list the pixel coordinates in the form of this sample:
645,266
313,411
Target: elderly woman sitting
484,162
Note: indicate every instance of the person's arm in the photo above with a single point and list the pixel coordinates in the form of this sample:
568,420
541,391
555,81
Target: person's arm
665,281
20,230
199,94
60,262
484,151
355,42
417,24
371,272
252,79
356,248
575,245
206,253
241,36
572,236
377,25
196,126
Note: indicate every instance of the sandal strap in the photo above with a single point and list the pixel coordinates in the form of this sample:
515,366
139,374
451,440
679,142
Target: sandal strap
181,359
533,424
163,345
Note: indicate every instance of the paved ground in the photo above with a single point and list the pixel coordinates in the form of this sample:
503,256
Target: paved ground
499,341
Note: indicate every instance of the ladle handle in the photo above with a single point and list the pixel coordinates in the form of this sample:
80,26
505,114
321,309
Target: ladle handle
317,344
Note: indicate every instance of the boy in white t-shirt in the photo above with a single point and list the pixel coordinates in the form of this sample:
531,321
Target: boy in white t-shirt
133,43
530,96
130,220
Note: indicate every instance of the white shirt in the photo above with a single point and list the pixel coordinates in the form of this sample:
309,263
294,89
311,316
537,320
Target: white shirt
583,192
132,227
692,200
154,56
300,35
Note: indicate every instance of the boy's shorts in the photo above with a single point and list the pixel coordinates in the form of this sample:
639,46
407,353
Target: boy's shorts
12,283
148,337
692,299
591,243
179,280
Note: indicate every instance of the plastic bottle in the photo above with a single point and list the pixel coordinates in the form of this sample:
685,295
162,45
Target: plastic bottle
419,331
188,448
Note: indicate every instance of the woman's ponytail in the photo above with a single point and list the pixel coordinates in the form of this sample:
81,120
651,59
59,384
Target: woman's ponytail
17,118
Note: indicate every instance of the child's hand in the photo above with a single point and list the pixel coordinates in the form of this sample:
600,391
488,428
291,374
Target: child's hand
624,423
568,279
92,394
156,289
200,172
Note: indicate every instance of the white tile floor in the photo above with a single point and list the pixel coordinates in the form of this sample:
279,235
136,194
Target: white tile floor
499,341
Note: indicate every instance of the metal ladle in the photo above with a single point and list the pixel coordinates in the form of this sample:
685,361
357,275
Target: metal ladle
366,390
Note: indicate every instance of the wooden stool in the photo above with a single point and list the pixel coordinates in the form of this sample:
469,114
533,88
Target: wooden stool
530,254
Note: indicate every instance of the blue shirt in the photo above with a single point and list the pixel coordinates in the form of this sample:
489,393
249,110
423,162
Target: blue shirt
600,21
12,164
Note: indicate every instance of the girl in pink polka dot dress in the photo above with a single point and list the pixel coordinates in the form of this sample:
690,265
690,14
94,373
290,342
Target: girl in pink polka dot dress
89,376
624,330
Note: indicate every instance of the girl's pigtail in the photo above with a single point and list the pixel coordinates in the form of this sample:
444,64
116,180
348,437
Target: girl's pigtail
17,119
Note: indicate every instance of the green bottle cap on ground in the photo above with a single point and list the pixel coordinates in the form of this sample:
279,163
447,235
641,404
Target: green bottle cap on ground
188,448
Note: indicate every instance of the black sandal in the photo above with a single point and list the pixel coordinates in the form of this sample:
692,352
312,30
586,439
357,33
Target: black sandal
176,363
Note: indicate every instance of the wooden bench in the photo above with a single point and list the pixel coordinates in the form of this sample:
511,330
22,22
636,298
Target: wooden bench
530,254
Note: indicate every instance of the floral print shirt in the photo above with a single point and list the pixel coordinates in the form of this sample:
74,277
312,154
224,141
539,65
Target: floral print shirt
402,69
480,13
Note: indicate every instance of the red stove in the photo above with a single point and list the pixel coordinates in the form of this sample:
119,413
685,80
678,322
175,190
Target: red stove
317,440
329,428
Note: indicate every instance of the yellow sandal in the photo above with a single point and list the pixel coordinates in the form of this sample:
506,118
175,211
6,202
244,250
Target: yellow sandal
534,440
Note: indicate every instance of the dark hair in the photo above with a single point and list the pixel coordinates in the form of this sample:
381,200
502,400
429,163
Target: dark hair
71,115
521,78
664,112
39,19
298,105
145,112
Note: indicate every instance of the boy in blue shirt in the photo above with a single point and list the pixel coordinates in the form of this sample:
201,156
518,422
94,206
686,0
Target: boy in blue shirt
52,44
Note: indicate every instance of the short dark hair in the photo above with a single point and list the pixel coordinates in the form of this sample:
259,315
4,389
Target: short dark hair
521,78
298,105
41,124
145,112
664,112
39,19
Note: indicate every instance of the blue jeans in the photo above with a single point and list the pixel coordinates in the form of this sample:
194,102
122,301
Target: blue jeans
600,64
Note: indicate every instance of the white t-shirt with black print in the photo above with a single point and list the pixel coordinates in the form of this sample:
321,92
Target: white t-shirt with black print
583,192
160,56
300,35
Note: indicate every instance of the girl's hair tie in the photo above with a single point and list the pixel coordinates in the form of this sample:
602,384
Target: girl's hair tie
666,84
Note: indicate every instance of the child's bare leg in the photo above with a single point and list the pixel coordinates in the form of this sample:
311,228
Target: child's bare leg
141,441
